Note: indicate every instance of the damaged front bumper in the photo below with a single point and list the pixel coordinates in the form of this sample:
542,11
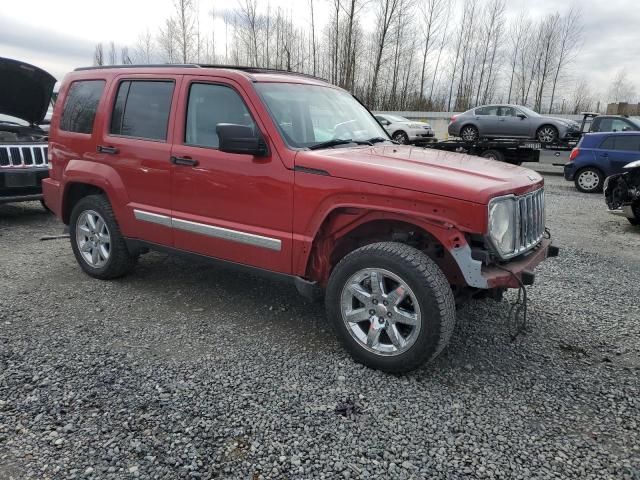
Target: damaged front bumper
512,274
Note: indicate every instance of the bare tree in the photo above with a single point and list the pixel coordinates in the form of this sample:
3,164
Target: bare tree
185,29
621,89
517,39
168,42
432,12
144,49
98,55
568,45
113,54
384,16
125,59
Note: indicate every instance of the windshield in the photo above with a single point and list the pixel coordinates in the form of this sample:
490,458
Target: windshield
396,118
311,114
528,112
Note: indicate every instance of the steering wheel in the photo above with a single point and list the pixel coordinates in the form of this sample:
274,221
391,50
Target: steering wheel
343,127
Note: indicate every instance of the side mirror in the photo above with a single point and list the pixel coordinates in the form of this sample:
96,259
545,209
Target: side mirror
234,138
521,116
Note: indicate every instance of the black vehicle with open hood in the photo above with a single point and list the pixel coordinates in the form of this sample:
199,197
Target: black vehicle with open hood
25,96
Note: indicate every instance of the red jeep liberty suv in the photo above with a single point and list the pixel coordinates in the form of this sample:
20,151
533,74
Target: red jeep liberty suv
288,174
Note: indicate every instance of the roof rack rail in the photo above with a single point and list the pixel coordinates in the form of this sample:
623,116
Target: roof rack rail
139,65
202,65
243,68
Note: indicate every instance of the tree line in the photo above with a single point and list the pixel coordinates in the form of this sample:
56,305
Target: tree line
435,55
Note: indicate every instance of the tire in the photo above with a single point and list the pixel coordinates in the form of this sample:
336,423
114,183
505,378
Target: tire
469,133
493,155
589,180
114,259
547,134
427,301
401,137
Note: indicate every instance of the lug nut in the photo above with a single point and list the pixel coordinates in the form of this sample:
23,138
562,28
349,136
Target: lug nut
372,311
375,302
388,314
385,303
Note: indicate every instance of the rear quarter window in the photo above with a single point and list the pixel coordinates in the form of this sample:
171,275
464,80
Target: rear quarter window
80,107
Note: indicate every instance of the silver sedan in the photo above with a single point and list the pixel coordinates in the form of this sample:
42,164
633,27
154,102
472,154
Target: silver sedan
405,131
511,121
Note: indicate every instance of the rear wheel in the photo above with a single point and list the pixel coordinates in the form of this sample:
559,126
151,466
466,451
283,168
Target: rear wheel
469,133
391,306
96,240
401,138
589,180
547,134
493,155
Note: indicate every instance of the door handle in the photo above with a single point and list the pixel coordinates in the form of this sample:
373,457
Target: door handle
186,161
110,150
605,155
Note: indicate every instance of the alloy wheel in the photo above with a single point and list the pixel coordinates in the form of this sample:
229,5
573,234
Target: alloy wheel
93,238
380,311
469,134
547,135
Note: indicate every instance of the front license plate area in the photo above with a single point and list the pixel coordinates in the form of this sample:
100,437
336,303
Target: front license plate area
19,180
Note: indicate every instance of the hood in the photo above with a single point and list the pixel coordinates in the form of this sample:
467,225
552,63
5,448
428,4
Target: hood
448,174
25,90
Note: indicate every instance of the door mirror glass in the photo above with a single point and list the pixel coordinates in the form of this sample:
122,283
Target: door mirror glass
235,138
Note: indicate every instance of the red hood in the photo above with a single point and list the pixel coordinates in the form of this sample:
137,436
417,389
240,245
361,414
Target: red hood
454,175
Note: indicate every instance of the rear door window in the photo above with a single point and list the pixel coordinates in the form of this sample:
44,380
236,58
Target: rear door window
608,144
81,105
628,143
142,109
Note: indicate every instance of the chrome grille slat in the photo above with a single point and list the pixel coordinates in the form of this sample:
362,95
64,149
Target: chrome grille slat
529,222
20,156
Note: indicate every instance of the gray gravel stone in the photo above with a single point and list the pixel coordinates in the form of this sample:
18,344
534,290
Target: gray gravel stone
181,371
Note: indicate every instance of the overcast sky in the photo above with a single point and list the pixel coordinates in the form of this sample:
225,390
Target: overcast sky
60,35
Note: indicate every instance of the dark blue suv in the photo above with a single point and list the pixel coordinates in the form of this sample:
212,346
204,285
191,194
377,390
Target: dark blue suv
599,155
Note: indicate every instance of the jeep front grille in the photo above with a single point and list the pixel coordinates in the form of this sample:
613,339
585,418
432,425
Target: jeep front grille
23,156
530,220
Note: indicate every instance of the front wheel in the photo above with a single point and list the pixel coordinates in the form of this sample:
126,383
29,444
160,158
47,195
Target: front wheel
401,138
548,134
97,243
636,212
391,306
589,180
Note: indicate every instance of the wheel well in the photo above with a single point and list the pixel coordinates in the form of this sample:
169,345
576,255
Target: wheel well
329,249
469,125
75,192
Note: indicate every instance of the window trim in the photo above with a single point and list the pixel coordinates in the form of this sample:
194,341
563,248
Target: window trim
119,82
95,115
190,83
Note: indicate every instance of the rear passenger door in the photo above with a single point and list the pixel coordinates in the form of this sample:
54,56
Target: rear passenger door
137,144
234,207
487,121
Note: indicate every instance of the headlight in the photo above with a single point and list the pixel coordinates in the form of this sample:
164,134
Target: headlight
502,224
416,125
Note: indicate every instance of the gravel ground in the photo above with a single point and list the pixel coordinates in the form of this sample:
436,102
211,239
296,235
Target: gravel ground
187,371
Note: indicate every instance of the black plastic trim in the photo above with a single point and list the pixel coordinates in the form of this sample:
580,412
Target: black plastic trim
313,171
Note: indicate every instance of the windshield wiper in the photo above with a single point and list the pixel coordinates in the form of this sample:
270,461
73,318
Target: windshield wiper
338,141
377,140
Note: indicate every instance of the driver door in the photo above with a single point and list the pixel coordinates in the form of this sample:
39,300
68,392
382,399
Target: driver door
235,207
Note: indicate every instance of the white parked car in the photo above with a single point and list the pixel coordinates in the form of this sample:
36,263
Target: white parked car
405,131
